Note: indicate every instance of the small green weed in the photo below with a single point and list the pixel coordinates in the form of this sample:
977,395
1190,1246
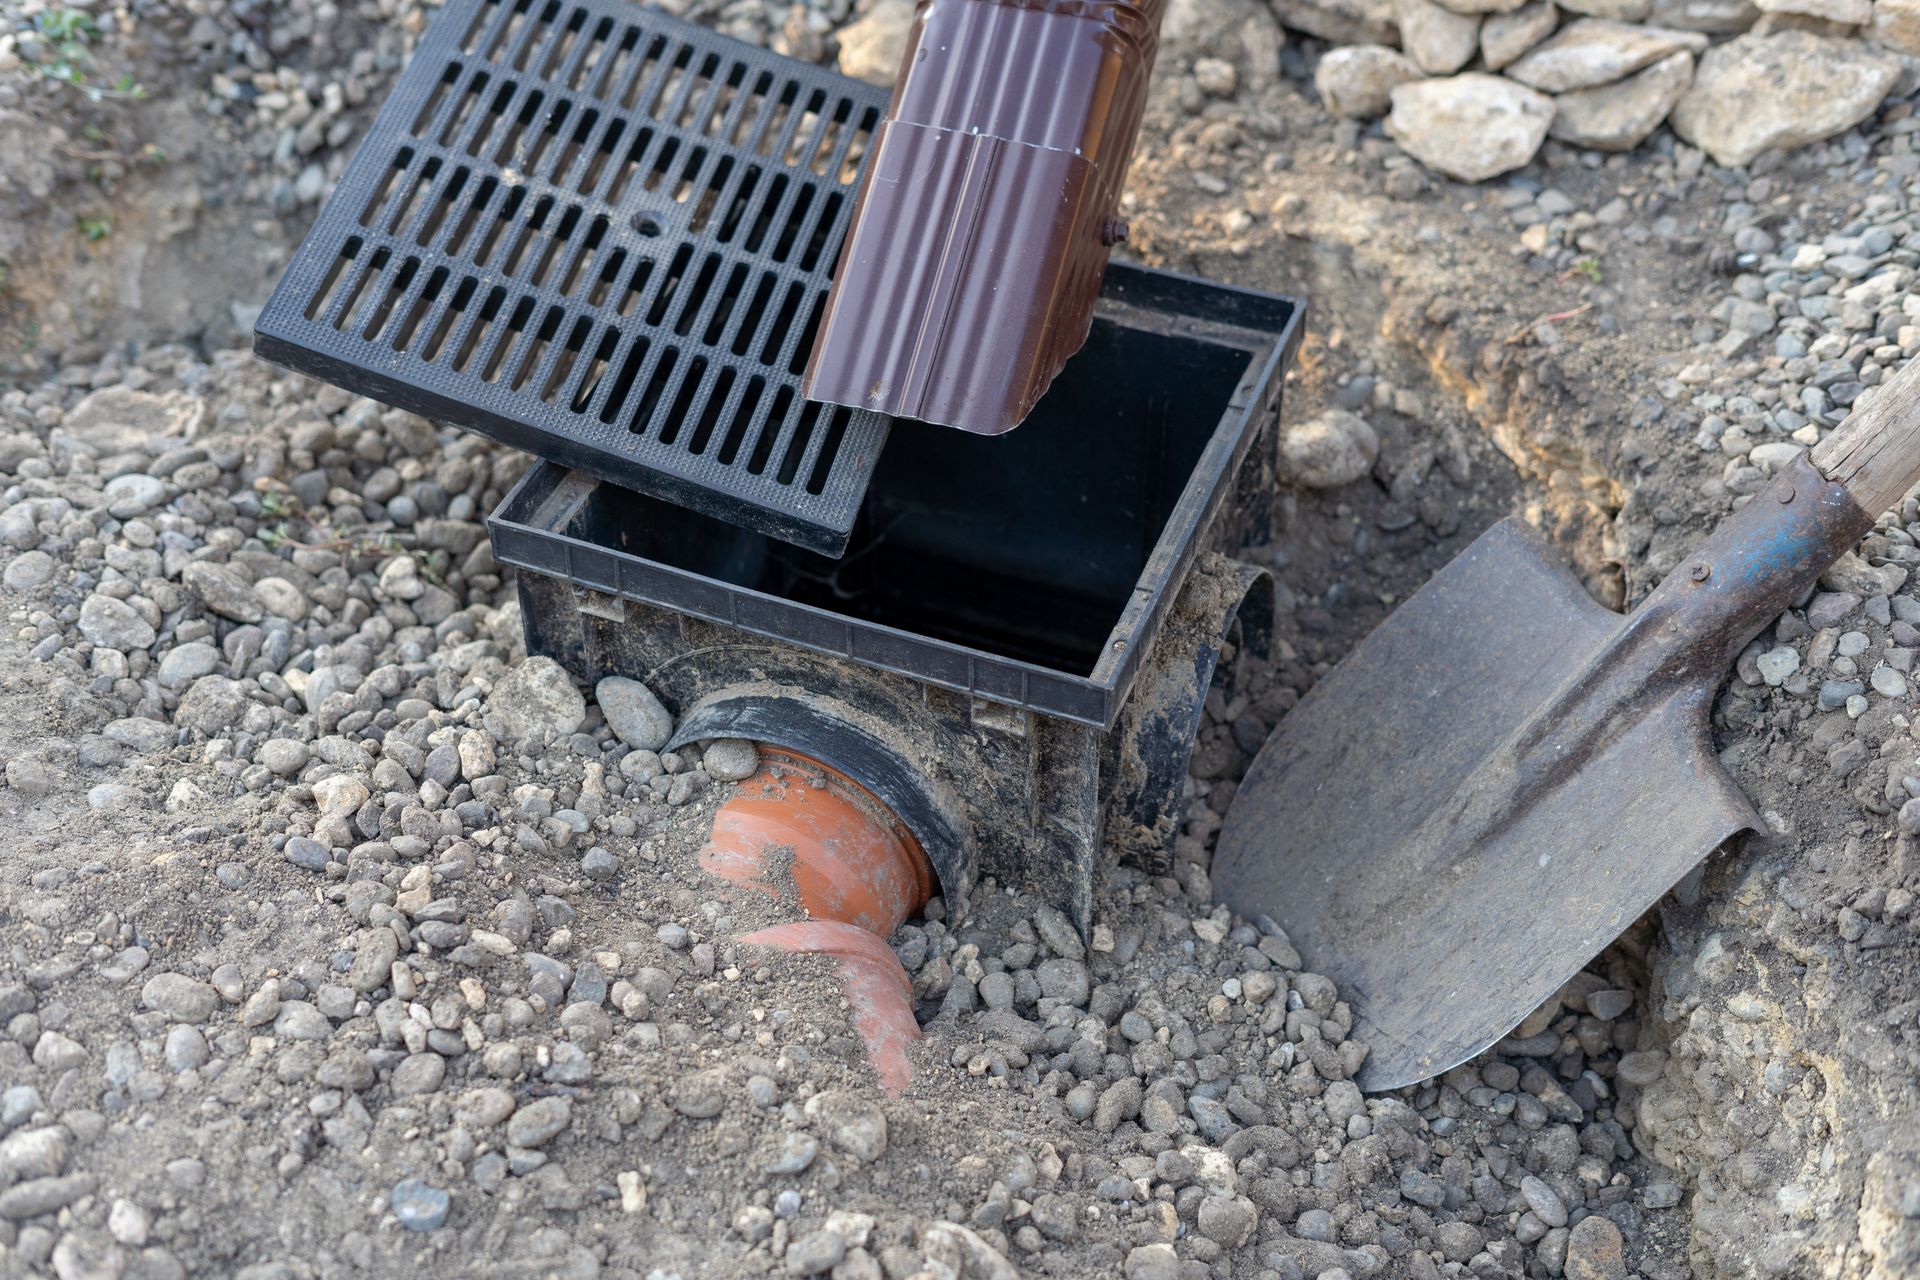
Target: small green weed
62,52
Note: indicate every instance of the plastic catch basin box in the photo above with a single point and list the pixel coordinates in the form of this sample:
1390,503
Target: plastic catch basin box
1015,648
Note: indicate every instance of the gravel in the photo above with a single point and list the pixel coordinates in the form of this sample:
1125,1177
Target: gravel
371,900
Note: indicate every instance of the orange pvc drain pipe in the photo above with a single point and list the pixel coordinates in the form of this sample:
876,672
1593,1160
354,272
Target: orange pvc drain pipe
813,839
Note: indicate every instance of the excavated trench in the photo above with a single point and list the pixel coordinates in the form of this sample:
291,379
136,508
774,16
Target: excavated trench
1778,1114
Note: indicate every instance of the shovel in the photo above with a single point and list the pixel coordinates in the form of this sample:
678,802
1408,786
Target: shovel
1504,774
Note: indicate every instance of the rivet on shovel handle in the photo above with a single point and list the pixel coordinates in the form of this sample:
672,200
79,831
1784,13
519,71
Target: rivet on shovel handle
1504,775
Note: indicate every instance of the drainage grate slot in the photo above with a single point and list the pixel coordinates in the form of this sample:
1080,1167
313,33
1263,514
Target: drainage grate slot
590,381
431,108
456,311
476,333
690,379
351,303
396,289
586,226
436,281
782,323
324,294
769,432
797,362
508,339
657,381
718,391
855,153
829,449
797,442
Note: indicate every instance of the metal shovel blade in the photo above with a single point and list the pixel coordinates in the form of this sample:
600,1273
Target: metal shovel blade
1486,792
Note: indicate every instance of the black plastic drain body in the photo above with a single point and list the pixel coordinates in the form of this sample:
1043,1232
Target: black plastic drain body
603,235
1016,650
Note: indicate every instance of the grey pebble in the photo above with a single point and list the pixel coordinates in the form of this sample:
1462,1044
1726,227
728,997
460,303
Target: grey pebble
418,1206
636,717
996,990
186,1049
306,853
538,1122
1642,1067
40,1196
1065,980
1227,1220
1834,693
1544,1201
298,1020
56,1052
730,759
796,1156
417,1074
185,663
1058,932
814,1253
1609,1004
17,1105
180,997
700,1095
30,569
283,756
114,624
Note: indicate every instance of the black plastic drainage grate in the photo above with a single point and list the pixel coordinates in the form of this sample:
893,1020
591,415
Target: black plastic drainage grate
605,236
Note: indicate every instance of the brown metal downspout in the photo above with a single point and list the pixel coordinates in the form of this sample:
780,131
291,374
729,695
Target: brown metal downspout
988,209
820,844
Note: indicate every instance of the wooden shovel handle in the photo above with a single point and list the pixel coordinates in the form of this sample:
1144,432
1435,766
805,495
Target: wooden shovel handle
1875,453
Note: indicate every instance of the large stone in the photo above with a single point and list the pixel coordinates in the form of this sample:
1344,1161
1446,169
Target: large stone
1471,127
1715,17
1332,449
850,1121
872,45
1243,32
1896,24
1356,80
537,1123
1483,6
1505,36
1775,92
1617,10
179,997
117,419
224,590
1596,51
535,701
114,624
1595,1251
636,717
211,704
1340,21
1618,117
1848,13
1439,40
